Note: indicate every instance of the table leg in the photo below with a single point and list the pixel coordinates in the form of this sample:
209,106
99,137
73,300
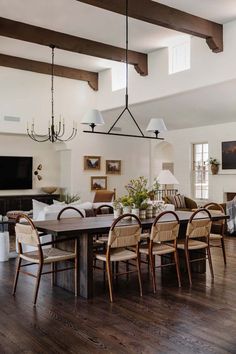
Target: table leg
86,265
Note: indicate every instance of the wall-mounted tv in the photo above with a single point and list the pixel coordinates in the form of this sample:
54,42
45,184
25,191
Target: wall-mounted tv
229,155
15,172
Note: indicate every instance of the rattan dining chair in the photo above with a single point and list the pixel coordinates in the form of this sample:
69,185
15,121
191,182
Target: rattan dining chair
197,238
27,234
120,238
163,241
218,227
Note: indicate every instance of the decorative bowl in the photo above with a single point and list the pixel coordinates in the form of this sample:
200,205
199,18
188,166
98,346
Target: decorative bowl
49,190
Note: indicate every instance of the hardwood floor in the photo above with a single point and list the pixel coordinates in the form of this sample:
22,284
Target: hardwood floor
197,320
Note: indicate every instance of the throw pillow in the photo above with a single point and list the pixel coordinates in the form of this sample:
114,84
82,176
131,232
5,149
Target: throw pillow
38,207
178,201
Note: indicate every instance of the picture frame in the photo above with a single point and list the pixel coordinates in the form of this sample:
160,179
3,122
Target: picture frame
228,155
92,163
113,167
98,183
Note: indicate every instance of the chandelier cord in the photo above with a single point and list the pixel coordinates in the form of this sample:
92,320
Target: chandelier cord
55,133
52,82
126,55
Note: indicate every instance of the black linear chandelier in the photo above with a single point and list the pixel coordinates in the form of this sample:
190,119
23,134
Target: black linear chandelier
55,133
94,117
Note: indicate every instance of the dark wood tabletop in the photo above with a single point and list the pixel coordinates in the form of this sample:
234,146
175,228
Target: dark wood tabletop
103,223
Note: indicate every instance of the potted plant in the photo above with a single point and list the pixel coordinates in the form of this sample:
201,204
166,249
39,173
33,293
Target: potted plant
214,165
149,211
137,189
117,207
127,203
154,190
143,210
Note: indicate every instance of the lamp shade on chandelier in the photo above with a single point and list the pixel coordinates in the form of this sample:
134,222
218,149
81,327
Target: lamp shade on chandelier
156,126
55,132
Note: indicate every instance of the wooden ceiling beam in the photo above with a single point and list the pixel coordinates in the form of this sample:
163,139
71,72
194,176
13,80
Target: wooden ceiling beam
169,17
43,36
46,68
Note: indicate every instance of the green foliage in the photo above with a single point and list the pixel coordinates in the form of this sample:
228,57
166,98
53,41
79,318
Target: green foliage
214,161
126,200
137,190
144,206
69,198
117,204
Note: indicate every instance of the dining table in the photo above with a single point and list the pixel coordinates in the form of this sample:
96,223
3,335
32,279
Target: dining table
84,229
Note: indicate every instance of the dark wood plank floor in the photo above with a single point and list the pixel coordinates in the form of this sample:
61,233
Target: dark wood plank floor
197,320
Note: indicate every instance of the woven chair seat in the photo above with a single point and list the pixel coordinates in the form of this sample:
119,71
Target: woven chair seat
118,254
49,256
158,249
215,237
192,244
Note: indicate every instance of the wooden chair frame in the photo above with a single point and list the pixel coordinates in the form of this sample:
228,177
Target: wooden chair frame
186,247
108,258
41,261
152,256
215,206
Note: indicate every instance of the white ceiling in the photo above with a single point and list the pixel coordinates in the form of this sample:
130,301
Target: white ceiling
76,18
206,106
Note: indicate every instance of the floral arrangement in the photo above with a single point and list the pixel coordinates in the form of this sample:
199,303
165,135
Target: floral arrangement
69,198
214,161
117,204
137,190
126,201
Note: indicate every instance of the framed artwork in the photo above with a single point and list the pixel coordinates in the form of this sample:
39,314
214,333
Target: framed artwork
113,167
228,155
92,162
98,183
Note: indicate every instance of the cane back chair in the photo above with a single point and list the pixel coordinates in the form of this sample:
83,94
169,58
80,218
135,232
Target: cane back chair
218,227
163,241
197,238
120,239
27,234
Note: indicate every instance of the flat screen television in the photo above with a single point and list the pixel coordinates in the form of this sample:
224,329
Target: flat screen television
15,172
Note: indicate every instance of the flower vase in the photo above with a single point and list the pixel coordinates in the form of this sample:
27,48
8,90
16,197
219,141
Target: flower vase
135,211
149,212
127,210
117,213
214,169
142,214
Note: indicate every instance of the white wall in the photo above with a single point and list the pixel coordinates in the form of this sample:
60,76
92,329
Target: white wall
207,68
27,95
182,141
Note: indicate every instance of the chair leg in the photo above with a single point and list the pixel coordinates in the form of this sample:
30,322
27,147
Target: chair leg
152,264
53,274
188,266
139,275
109,275
177,267
37,283
16,275
223,249
76,276
210,261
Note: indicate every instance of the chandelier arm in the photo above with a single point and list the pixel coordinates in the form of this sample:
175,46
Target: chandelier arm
135,122
33,137
60,134
73,134
121,114
125,135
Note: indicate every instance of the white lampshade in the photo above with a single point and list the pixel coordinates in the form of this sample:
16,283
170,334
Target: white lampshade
166,177
93,117
156,124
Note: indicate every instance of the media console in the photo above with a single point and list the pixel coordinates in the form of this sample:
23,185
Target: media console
23,202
